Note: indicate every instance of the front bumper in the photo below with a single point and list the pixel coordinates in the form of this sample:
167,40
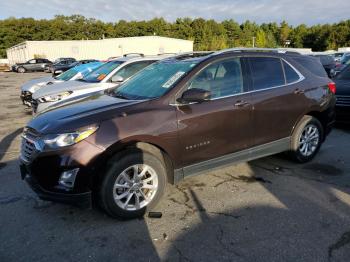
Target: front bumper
77,199
43,170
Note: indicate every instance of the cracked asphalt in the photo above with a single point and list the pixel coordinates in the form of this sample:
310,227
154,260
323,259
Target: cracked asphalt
270,209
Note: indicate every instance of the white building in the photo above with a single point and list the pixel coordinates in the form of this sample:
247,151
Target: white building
96,49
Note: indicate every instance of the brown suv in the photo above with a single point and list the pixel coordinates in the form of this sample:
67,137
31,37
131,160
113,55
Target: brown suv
183,115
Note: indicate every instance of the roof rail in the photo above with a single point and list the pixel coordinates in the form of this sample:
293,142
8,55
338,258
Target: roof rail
193,54
252,49
128,54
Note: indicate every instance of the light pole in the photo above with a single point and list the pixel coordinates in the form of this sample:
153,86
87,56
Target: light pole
254,41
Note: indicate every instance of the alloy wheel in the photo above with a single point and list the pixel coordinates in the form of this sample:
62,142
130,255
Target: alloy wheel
135,187
309,140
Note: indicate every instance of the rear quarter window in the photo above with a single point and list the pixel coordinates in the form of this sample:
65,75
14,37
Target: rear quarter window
291,75
311,64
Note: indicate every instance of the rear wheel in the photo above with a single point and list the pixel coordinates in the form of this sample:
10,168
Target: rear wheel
21,70
132,185
307,139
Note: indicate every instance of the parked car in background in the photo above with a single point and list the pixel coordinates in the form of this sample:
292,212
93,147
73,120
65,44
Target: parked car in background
47,67
109,75
77,72
342,81
37,64
338,56
345,60
328,63
61,66
178,117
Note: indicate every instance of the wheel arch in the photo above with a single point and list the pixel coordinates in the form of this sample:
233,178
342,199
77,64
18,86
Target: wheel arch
122,148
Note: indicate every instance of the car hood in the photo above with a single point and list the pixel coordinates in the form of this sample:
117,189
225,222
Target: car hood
89,111
38,81
62,87
343,87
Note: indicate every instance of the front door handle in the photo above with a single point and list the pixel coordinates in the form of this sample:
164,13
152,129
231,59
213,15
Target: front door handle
299,91
241,103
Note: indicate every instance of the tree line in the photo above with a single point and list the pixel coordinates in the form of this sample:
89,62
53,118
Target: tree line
206,34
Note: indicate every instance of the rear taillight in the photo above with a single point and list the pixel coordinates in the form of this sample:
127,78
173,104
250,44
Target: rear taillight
332,87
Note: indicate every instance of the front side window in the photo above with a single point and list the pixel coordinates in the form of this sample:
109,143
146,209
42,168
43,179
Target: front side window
155,80
266,72
33,61
223,78
99,74
131,69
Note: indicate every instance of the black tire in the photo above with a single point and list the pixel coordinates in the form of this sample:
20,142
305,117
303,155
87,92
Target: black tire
115,167
296,151
21,70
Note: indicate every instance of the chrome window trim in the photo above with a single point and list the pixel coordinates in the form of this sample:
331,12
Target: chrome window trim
301,78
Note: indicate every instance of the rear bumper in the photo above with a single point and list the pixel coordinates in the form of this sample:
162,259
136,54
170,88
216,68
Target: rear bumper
83,200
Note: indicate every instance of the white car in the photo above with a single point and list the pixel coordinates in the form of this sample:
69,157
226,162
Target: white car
109,75
79,71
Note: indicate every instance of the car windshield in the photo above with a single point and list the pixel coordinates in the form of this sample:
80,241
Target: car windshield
155,80
99,74
344,74
67,75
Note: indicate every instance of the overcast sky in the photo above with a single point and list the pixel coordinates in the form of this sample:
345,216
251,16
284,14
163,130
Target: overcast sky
293,11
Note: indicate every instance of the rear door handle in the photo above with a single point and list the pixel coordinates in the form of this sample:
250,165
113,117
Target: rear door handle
299,91
241,103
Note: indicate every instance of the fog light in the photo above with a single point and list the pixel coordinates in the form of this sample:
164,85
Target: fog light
67,178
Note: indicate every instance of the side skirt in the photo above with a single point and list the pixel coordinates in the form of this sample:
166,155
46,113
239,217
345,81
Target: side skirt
245,155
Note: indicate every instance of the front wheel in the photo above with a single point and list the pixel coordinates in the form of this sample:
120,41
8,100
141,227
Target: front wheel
132,185
307,139
21,70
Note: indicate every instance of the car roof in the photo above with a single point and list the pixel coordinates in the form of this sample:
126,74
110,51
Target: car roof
139,58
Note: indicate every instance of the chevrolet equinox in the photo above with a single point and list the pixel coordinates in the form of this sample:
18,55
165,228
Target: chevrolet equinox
184,115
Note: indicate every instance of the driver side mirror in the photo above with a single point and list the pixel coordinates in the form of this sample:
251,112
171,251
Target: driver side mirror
194,95
117,79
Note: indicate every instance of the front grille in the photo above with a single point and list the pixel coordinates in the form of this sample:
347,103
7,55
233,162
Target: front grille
30,146
343,100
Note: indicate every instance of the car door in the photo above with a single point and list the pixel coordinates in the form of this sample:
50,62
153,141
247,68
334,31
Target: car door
277,96
30,65
221,125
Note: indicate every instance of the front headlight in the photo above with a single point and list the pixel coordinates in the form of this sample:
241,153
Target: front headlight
54,98
55,141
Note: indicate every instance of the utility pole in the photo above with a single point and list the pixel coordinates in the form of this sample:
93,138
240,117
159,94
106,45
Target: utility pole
254,41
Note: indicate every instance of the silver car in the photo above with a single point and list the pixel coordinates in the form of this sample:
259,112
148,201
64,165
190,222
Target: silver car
109,75
77,72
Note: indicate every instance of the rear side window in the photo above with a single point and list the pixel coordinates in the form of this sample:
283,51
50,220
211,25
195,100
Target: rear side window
266,72
312,64
291,75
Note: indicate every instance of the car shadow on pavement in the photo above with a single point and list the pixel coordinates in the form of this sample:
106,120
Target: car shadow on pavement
299,222
6,142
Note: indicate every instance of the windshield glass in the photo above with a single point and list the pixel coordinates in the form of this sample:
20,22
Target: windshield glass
67,75
155,80
100,73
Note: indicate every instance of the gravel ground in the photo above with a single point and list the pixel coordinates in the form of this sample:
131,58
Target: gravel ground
264,210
